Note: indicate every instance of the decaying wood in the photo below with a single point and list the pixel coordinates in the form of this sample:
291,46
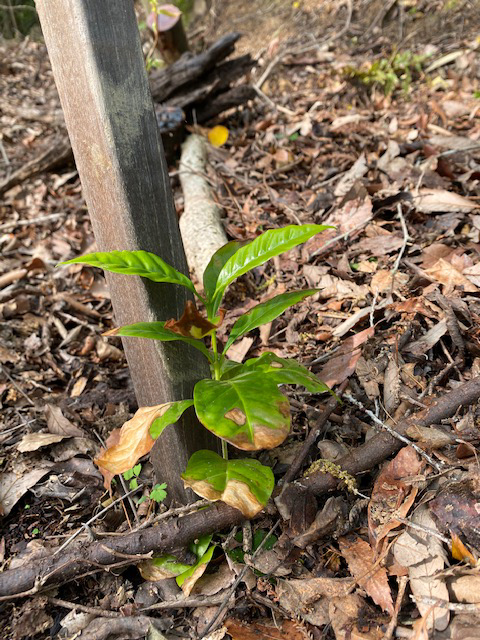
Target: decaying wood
175,533
112,551
58,153
126,186
165,82
199,85
200,223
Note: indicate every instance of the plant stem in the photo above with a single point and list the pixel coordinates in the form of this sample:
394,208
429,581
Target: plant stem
216,361
216,370
224,450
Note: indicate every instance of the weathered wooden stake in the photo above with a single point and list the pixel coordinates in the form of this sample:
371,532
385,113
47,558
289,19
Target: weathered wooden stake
97,62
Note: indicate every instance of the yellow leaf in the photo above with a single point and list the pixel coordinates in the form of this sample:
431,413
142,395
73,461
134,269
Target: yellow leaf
218,135
460,551
133,442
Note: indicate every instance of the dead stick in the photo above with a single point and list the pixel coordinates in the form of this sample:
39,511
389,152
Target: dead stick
164,538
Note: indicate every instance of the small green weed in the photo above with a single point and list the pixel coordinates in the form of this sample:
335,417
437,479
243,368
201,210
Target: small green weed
396,72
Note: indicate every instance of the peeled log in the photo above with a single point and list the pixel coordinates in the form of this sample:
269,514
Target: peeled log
200,223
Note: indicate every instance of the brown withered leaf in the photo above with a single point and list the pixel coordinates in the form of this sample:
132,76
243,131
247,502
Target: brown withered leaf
343,363
424,556
393,494
134,441
287,630
35,441
456,509
309,597
58,424
353,619
371,576
192,324
442,201
446,274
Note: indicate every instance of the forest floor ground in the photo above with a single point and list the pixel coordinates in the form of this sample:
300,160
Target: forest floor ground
367,118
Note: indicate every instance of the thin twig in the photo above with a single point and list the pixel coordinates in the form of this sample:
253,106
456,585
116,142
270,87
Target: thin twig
213,622
74,606
26,223
406,238
19,389
451,606
402,585
95,517
393,433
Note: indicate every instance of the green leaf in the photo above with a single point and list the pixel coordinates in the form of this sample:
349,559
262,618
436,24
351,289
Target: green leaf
128,475
187,579
244,484
249,412
266,246
170,566
201,545
158,493
157,331
136,469
265,312
138,263
279,370
216,264
171,415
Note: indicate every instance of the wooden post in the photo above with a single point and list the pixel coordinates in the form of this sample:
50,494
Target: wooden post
97,62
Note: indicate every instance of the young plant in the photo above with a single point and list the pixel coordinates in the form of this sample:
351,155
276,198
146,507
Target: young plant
241,403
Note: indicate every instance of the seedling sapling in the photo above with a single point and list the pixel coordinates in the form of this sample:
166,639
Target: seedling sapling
241,403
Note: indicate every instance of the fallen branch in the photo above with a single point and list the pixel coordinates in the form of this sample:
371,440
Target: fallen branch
379,447
200,223
87,557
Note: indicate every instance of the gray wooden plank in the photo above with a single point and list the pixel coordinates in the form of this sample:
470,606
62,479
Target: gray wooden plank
96,56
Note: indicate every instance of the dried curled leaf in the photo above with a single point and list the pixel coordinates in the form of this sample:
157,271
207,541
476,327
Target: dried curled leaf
192,324
134,438
244,484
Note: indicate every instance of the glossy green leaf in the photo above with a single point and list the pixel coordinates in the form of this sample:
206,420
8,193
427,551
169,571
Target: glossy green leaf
249,412
170,566
266,246
216,264
279,370
138,263
244,484
157,331
188,579
171,415
265,312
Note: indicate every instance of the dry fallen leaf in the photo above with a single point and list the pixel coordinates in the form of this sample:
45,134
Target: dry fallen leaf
442,201
340,366
286,630
424,556
58,424
445,273
393,494
369,575
14,486
352,619
34,441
